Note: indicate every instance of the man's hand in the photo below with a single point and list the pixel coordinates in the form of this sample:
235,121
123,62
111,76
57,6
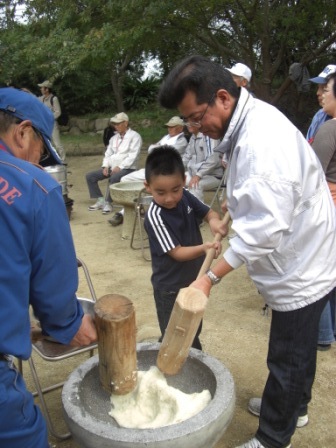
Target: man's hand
217,225
203,283
86,334
194,181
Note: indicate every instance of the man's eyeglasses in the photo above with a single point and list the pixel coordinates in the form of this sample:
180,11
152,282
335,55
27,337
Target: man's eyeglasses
46,152
198,123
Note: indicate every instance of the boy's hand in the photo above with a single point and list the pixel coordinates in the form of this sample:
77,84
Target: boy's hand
216,245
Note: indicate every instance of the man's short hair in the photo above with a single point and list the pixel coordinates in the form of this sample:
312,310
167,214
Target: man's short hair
6,121
197,74
163,161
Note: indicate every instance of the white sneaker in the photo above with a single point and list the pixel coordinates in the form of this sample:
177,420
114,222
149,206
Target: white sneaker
107,208
255,405
254,443
98,205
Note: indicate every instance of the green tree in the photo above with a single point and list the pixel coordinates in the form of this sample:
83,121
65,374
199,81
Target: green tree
111,40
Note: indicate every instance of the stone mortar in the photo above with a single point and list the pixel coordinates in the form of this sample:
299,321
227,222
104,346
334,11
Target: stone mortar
86,405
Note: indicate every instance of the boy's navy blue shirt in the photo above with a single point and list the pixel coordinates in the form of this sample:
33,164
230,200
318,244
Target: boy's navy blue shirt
169,228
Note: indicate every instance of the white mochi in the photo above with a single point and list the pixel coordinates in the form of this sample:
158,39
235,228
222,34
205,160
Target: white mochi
153,403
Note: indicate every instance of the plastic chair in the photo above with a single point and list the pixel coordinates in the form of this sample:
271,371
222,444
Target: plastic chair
141,206
50,350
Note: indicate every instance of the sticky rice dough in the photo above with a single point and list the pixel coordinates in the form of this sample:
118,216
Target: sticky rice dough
153,403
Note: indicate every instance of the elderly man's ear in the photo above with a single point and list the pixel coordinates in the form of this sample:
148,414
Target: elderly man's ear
21,139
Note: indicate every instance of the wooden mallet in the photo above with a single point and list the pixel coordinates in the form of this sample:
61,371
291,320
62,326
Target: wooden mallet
184,321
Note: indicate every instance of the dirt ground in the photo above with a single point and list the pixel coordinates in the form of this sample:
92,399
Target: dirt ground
235,331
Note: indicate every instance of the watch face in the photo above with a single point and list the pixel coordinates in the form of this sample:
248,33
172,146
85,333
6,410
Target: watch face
214,279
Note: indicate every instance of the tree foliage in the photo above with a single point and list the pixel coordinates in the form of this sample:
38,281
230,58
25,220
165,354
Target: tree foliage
101,45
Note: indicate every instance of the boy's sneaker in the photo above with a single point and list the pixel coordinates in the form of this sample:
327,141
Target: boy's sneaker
255,405
107,208
254,443
99,205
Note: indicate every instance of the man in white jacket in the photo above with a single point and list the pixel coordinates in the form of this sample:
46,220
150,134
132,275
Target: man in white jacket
120,158
285,229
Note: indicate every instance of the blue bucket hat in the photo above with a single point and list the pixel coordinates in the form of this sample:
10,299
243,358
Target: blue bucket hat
25,106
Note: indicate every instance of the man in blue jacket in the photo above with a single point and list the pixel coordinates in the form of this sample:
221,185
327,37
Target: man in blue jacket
37,259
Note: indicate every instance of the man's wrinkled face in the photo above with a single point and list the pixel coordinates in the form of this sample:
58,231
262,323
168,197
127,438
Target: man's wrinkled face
240,81
121,127
174,130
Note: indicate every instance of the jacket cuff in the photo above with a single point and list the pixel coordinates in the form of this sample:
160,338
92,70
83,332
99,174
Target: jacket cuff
232,259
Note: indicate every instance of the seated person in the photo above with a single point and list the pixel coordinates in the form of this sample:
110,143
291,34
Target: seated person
204,169
120,159
176,138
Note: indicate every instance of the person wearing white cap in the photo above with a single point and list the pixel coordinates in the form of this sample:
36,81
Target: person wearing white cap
324,144
320,117
51,101
121,157
175,138
241,74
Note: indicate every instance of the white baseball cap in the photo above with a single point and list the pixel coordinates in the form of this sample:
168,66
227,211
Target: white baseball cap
321,78
241,70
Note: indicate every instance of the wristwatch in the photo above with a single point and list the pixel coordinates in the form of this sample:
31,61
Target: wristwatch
213,277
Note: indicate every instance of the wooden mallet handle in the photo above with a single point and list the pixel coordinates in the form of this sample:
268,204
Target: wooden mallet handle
184,321
211,252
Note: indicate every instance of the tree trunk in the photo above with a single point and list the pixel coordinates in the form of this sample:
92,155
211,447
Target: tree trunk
117,90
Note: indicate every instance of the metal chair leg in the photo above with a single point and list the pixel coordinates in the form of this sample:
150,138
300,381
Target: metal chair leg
138,222
40,392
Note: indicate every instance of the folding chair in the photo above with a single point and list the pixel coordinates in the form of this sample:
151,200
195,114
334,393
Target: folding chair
141,206
53,351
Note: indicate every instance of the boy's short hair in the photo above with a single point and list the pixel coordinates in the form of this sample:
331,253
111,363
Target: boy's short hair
163,160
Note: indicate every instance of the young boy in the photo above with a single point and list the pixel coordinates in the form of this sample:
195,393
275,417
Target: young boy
172,223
